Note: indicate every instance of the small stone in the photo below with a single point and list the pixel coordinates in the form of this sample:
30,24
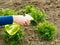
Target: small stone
51,6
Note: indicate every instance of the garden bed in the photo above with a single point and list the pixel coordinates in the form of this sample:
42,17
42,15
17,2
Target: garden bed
52,8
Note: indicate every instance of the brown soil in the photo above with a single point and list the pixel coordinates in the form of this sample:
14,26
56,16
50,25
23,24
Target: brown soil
52,8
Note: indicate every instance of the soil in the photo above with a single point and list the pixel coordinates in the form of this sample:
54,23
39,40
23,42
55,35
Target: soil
52,8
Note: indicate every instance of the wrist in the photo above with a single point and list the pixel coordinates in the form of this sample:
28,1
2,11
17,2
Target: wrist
14,18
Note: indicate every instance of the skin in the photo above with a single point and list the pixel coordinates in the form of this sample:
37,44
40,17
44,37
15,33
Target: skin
20,19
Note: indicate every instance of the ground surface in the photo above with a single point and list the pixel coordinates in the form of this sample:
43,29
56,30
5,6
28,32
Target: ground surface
52,8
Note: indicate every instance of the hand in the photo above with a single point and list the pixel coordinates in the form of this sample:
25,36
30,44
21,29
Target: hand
20,19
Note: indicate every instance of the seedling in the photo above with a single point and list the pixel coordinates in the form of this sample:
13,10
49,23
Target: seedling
39,16
46,30
5,12
13,39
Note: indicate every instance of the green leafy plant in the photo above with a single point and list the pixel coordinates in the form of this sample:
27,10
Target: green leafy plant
38,15
1,12
12,32
46,30
27,9
7,11
13,39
